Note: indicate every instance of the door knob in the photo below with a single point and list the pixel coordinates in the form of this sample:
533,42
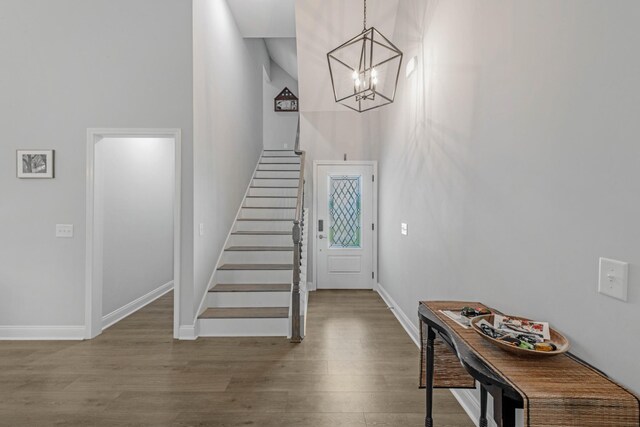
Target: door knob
320,236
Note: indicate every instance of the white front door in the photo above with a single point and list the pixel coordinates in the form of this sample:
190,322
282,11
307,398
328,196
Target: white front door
345,231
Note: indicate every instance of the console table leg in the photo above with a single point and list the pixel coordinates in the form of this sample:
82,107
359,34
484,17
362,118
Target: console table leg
431,336
483,406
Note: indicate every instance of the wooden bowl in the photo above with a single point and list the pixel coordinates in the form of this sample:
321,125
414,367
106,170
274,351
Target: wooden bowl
557,338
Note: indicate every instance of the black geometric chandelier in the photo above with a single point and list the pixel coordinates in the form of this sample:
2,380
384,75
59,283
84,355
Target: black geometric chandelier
364,70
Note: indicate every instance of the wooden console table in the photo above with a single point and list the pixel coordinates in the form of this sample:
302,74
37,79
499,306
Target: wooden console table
555,391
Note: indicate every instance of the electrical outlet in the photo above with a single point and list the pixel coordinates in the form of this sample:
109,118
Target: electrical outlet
64,231
404,229
613,280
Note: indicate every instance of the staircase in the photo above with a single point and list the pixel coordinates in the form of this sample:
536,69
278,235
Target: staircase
254,290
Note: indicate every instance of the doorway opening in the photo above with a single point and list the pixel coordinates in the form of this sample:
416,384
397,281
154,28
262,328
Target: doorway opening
345,214
133,223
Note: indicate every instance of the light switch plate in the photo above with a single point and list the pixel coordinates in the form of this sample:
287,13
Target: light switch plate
404,228
64,231
613,278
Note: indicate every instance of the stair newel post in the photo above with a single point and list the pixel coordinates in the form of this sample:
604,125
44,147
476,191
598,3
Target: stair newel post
295,294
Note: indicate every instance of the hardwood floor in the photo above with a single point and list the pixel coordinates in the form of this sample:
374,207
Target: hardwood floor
356,367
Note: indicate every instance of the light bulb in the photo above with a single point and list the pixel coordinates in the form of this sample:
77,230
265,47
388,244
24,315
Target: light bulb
355,75
374,72
357,82
375,81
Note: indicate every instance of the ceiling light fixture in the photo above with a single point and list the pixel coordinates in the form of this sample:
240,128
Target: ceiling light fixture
365,69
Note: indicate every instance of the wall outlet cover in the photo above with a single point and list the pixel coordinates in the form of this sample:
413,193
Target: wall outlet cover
64,231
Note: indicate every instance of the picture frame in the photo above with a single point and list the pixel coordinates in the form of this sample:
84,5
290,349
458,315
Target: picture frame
286,101
35,164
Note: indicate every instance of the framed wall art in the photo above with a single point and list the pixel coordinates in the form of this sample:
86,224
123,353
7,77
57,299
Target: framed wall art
35,163
285,101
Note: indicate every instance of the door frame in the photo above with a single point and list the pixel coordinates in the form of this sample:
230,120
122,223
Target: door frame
314,227
93,285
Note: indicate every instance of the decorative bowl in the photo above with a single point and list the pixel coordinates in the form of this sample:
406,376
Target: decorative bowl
561,343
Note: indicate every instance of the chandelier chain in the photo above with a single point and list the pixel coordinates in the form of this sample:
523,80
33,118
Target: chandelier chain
365,16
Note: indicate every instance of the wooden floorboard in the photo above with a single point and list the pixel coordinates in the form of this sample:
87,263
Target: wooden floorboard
356,367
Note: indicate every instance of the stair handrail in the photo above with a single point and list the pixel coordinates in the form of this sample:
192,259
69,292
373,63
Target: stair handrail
298,226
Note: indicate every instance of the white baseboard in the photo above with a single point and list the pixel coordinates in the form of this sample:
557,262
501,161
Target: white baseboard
189,332
465,398
311,287
119,314
405,321
42,333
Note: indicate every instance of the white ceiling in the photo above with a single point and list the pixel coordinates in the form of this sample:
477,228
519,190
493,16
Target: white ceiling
265,18
322,25
283,52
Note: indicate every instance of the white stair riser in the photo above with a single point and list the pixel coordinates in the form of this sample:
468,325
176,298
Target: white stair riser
257,257
268,213
273,159
244,327
290,192
279,174
274,182
271,202
263,226
248,299
289,166
254,276
283,152
260,240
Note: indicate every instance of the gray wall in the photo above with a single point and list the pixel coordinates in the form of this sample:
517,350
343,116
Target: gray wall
66,66
227,129
280,127
134,185
512,152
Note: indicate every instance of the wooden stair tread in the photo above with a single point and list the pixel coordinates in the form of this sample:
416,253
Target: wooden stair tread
260,248
251,287
267,207
278,170
246,313
270,186
264,219
270,163
260,267
280,178
263,233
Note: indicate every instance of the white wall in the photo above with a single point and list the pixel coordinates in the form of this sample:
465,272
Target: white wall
134,185
259,18
63,71
280,127
227,130
260,54
512,152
